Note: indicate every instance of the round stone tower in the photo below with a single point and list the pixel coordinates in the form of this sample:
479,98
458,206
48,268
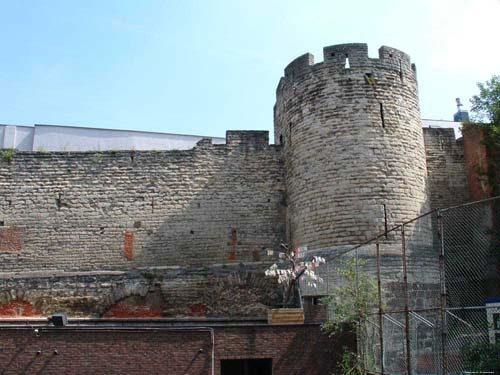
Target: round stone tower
353,147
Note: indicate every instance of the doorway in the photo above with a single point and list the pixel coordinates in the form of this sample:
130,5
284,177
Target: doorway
246,366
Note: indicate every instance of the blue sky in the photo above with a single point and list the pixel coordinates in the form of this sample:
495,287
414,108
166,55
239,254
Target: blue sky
202,67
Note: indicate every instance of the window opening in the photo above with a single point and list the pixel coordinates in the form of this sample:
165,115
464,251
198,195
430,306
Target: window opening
382,114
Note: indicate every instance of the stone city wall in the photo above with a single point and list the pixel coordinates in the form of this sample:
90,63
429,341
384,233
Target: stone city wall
446,168
234,290
117,210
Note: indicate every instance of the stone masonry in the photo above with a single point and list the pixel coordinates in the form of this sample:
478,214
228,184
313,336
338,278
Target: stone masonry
353,148
116,210
186,233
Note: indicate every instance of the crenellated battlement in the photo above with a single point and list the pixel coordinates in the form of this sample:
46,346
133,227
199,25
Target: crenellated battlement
240,137
350,132
248,137
356,54
299,65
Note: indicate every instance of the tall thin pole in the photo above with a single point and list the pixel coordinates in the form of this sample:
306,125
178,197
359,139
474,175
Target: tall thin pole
407,301
380,312
442,277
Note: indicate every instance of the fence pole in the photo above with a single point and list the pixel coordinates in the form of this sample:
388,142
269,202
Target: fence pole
380,312
362,340
442,277
406,298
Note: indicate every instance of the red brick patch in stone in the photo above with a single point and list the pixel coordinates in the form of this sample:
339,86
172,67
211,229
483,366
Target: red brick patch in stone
128,245
16,308
198,309
231,256
476,157
11,239
122,309
256,255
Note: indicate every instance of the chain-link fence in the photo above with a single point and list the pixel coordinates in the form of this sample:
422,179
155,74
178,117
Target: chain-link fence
427,292
471,251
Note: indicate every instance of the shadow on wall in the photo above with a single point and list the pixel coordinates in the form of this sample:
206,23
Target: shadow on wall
230,209
119,210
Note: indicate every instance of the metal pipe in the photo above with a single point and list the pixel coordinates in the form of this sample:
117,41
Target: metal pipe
394,321
422,319
470,203
442,277
460,319
406,299
402,311
384,234
380,311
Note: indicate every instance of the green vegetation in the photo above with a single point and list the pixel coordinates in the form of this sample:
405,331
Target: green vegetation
486,105
8,155
42,150
486,116
349,305
481,357
98,157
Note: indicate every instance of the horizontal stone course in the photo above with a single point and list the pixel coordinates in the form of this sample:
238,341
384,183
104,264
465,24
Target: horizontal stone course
117,210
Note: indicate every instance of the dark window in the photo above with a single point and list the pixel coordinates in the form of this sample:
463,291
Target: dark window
314,300
246,366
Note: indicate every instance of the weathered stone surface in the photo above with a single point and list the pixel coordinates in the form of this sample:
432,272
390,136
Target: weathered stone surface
352,140
168,292
150,233
119,210
446,170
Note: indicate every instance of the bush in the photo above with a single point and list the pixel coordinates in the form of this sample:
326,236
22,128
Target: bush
481,357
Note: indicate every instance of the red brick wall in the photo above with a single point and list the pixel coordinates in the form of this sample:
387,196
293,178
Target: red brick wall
11,239
295,350
476,157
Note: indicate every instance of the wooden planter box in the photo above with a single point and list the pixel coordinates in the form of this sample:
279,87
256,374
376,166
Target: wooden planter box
285,316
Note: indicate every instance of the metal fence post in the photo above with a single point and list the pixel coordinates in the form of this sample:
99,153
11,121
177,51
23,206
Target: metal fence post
442,277
380,311
407,302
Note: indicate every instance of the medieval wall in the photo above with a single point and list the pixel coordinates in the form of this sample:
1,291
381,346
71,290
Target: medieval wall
232,290
446,168
111,210
185,232
352,141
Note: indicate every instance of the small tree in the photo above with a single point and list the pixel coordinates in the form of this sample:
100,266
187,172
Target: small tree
486,105
486,114
291,269
481,357
351,301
